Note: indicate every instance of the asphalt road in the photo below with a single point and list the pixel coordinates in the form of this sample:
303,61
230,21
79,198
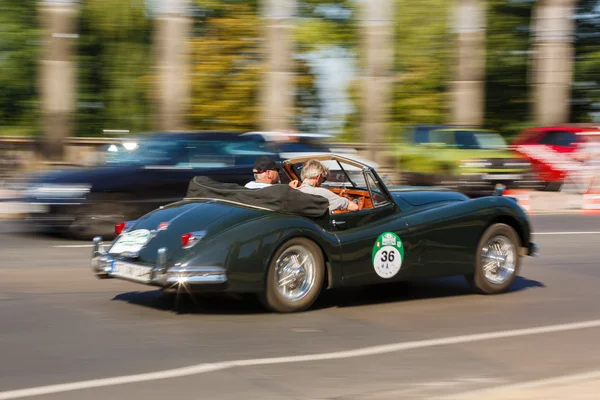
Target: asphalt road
60,325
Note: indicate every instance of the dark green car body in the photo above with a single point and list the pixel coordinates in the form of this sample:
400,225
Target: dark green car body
439,228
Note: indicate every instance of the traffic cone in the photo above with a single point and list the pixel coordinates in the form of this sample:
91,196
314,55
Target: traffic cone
523,197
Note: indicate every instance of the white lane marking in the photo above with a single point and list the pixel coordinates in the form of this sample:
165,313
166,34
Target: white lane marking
539,383
73,245
567,233
361,352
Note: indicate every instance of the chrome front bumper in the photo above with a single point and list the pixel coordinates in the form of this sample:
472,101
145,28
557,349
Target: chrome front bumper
161,274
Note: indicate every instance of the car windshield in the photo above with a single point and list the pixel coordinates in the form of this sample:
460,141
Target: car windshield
491,141
150,152
340,174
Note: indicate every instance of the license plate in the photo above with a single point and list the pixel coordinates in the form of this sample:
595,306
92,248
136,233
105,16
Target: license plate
503,177
131,271
131,242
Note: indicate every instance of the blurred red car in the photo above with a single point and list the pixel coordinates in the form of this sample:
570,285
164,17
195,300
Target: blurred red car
553,151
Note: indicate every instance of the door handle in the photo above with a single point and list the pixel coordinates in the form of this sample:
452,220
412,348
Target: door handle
338,223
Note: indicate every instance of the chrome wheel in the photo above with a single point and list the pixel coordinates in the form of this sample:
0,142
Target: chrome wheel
295,272
498,259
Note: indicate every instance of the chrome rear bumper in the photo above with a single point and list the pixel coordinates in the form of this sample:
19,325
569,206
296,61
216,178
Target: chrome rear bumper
159,275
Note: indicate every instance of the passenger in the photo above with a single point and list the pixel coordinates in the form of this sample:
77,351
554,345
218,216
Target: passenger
266,173
314,174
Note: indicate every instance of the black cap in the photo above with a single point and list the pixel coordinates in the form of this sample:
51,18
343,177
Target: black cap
264,164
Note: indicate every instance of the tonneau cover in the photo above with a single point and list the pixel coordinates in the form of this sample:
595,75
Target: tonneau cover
279,198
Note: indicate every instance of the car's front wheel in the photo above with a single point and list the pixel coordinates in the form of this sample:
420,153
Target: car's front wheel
295,276
497,262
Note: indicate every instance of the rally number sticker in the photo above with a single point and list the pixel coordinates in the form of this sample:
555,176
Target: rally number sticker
388,254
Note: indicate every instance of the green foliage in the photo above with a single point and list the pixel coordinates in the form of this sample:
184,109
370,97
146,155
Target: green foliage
227,63
326,23
586,88
19,50
422,62
114,62
507,94
228,66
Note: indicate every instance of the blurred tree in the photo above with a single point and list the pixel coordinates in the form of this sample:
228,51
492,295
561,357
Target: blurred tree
19,51
422,62
114,65
507,94
586,86
326,23
226,66
326,38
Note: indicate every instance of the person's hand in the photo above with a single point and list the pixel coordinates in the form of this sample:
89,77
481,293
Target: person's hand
352,206
295,183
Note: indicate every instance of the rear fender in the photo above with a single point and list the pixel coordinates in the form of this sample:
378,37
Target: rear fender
246,250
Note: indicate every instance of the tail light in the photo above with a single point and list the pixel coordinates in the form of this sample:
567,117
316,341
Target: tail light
185,239
188,240
124,226
119,227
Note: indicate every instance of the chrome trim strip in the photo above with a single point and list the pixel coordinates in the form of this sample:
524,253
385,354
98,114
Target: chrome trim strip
196,275
326,157
227,201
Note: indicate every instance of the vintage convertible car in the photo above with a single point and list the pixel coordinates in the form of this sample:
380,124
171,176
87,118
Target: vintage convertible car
285,245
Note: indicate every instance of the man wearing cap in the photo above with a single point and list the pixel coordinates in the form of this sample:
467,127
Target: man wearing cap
266,173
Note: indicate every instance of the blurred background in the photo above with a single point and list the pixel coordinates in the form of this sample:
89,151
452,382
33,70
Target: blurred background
465,93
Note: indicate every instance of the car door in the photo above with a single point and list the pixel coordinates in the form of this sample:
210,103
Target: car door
375,243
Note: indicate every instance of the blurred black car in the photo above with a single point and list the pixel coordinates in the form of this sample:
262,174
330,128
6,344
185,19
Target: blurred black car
84,202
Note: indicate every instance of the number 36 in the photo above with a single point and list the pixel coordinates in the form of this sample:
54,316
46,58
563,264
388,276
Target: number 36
387,256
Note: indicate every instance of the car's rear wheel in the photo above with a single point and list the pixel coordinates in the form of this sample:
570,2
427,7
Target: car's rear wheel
497,260
295,276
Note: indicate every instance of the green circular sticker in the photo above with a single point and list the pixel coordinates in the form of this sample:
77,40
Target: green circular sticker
388,254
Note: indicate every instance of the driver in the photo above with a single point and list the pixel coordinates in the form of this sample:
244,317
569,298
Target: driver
266,173
313,175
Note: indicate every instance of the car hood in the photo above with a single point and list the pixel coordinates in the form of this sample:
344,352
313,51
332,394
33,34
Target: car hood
424,196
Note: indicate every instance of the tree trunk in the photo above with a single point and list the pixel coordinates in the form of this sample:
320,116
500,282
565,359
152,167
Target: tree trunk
378,51
171,46
553,33
468,90
57,76
278,82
